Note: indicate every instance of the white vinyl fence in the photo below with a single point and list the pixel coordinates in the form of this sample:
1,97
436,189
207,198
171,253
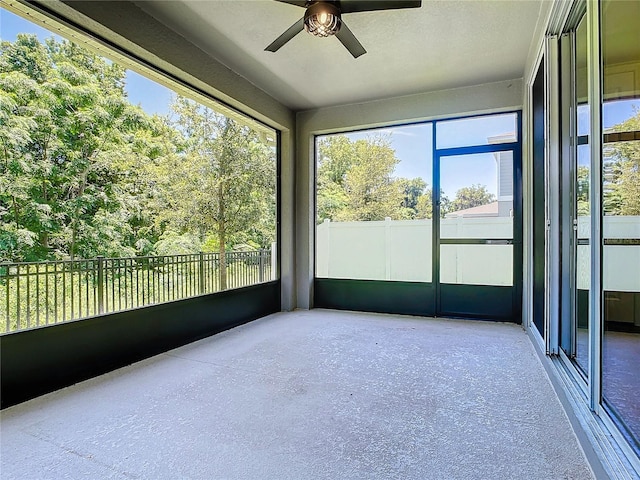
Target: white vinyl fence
401,250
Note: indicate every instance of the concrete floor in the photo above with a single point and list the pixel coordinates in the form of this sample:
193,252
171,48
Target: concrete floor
310,394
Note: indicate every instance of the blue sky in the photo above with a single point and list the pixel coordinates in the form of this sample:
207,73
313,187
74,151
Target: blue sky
414,148
151,96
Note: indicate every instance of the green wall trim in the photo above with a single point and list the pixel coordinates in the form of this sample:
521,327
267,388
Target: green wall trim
414,298
409,298
486,302
39,361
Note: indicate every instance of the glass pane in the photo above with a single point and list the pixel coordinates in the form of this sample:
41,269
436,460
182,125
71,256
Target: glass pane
477,264
482,205
583,219
485,130
582,79
539,227
374,204
583,257
621,208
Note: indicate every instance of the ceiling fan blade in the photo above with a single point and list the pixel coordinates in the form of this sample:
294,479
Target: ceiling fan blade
354,6
350,41
291,32
297,3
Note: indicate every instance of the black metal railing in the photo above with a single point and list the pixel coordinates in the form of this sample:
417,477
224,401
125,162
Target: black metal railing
35,294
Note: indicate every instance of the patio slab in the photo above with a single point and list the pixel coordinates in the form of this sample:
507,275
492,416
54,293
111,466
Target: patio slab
309,394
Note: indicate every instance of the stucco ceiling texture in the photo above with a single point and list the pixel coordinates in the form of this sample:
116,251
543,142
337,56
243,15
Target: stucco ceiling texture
443,44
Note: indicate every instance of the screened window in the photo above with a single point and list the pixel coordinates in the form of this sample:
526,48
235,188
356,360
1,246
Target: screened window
474,131
376,194
374,191
121,188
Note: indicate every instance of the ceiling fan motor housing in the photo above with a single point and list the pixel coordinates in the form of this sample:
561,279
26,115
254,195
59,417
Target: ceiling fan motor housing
322,19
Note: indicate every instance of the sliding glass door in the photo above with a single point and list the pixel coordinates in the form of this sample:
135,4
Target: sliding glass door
576,231
620,242
601,198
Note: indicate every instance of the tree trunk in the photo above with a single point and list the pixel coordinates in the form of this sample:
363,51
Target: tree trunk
222,234
72,247
44,240
44,236
16,214
76,214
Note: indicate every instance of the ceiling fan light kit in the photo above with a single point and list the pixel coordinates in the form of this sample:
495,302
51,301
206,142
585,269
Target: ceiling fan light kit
323,18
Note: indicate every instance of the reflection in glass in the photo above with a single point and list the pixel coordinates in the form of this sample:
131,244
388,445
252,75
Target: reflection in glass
374,204
583,220
581,85
583,258
621,209
485,130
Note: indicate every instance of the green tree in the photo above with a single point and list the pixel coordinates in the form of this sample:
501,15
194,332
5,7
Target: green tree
220,181
67,152
413,190
473,196
336,156
582,190
621,189
23,106
355,180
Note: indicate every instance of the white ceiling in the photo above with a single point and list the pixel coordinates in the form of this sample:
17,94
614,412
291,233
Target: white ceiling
443,44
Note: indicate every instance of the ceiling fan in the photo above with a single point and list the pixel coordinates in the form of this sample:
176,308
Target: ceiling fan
323,18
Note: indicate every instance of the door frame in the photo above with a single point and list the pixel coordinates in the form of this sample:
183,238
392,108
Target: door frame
474,300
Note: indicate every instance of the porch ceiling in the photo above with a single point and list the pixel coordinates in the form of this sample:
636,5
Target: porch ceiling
443,44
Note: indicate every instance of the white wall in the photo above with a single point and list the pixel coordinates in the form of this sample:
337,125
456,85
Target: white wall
478,227
401,250
386,250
